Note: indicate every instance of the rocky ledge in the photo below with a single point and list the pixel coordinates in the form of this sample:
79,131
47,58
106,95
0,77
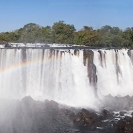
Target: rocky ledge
32,116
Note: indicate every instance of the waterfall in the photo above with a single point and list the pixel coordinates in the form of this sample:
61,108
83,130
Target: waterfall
73,77
76,79
114,72
45,74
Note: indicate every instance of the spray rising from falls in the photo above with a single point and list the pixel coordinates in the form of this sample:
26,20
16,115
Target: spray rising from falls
73,77
45,74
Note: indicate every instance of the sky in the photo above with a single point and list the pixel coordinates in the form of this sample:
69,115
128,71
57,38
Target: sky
14,14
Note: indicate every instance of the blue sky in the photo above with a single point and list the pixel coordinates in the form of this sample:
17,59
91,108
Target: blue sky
14,14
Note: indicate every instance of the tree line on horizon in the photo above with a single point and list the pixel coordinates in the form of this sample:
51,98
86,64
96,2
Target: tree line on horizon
63,33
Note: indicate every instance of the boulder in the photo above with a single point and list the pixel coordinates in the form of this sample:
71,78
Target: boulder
52,105
122,113
8,45
125,127
86,119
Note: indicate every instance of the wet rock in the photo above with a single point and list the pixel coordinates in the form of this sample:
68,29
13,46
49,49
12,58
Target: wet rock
88,61
105,112
39,117
88,56
28,100
52,107
122,113
64,111
120,128
67,112
8,45
126,127
128,119
86,119
101,58
54,104
76,52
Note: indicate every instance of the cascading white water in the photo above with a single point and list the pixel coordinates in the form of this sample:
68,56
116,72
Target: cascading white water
62,75
80,79
45,74
114,72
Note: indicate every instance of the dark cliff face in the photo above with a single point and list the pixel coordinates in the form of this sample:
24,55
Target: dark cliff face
130,55
88,56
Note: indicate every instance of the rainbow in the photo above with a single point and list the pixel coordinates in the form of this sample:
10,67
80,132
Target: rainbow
13,67
23,64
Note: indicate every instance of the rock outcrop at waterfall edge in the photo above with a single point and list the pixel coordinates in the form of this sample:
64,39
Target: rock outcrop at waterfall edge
88,61
33,116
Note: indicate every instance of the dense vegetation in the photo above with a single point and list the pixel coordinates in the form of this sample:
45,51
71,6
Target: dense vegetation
63,33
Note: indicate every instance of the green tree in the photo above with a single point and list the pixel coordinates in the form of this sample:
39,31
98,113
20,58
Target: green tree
46,34
62,33
29,33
